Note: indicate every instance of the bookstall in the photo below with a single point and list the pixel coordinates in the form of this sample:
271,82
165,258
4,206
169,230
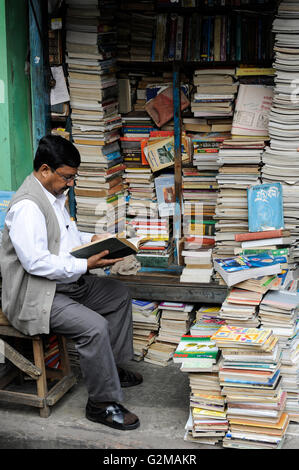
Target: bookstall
186,119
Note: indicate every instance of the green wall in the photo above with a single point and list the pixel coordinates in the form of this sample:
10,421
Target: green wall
16,153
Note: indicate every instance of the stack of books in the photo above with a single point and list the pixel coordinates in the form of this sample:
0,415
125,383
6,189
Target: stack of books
145,326
241,268
207,421
251,382
240,308
198,266
279,310
136,126
159,354
206,148
239,163
280,162
198,222
174,322
96,123
215,91
195,124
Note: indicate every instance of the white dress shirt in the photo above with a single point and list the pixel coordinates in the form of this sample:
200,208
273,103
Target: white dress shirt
28,233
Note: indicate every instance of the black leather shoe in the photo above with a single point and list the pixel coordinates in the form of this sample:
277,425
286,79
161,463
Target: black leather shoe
115,411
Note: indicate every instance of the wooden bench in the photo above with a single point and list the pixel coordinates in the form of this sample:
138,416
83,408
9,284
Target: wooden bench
45,396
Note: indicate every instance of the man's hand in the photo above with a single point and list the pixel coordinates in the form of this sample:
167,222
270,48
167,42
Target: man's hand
99,261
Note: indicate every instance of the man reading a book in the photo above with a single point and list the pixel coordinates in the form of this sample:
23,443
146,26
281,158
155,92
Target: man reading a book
45,288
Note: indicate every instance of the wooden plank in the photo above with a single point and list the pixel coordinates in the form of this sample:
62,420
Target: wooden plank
21,362
3,319
22,398
60,389
41,383
159,288
11,331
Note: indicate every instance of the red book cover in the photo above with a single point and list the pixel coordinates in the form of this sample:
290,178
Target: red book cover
241,237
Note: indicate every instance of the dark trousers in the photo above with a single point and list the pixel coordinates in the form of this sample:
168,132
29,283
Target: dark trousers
96,312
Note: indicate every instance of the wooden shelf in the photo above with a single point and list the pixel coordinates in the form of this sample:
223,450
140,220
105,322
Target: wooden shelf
160,287
182,64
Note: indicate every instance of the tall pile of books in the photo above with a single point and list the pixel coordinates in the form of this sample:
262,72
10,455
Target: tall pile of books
280,160
279,310
200,359
90,46
145,316
250,378
175,322
239,161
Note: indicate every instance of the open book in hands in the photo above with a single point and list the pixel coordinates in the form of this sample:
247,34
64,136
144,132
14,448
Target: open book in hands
117,247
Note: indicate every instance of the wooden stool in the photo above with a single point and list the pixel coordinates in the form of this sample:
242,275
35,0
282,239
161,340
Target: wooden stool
44,398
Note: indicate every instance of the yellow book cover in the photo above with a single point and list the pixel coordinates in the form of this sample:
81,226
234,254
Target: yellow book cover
202,412
238,334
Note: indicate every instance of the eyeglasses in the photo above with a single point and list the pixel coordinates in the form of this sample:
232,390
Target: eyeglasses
67,179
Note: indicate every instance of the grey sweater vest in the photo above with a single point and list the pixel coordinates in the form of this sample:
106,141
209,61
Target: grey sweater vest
27,299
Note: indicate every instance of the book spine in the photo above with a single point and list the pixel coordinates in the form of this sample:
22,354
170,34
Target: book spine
239,237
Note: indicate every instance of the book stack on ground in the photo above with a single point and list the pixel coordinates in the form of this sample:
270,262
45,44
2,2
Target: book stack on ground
198,266
90,46
159,354
145,326
207,321
280,162
207,421
239,162
215,91
240,308
174,322
51,353
251,382
279,311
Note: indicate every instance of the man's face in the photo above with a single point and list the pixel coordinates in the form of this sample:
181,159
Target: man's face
59,180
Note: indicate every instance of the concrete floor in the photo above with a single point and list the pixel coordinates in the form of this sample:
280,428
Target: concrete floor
161,403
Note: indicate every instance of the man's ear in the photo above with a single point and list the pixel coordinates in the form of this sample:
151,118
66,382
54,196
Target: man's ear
44,170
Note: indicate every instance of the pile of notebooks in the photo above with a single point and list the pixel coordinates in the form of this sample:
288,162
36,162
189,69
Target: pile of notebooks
174,322
96,123
215,91
250,378
145,326
280,160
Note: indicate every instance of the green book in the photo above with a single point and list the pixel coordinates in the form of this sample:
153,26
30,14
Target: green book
192,347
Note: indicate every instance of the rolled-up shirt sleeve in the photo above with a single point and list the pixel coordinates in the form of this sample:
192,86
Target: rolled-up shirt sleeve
28,233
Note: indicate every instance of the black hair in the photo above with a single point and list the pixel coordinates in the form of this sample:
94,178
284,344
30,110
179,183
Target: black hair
56,151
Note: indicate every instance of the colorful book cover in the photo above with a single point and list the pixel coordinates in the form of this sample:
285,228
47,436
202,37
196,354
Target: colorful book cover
265,207
165,195
196,346
241,262
238,334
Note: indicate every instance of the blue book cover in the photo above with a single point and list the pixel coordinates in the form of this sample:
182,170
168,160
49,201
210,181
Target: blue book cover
265,207
5,197
241,263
